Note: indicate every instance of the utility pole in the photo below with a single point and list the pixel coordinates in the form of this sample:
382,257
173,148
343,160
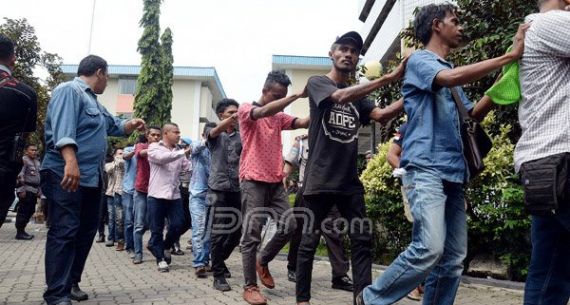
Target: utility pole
91,29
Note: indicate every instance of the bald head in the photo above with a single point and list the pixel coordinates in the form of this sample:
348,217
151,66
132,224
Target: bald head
170,134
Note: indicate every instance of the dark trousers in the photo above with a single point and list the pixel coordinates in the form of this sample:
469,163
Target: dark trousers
185,196
333,239
351,208
72,228
26,209
8,178
548,280
259,201
226,228
158,210
103,214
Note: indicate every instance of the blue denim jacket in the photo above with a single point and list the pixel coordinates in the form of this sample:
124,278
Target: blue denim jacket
200,168
75,117
433,139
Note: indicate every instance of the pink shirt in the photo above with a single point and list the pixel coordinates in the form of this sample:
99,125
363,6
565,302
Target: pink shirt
165,168
261,156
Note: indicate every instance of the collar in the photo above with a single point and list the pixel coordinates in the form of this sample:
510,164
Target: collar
5,69
441,60
83,85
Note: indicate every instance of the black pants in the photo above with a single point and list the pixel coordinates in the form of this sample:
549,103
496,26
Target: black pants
352,209
226,230
103,214
8,178
26,209
72,229
185,194
333,239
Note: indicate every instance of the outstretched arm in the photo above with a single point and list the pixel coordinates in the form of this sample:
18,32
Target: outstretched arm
383,115
276,106
223,126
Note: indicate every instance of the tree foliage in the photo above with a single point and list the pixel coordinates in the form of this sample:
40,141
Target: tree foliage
153,100
30,57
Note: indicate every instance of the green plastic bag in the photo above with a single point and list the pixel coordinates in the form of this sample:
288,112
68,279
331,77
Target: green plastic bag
507,90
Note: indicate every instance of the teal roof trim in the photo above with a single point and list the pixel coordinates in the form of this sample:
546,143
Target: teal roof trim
301,60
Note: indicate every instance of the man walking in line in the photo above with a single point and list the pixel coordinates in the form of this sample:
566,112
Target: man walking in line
127,197
76,131
544,113
432,156
261,176
166,163
224,143
18,115
331,174
115,172
152,135
29,192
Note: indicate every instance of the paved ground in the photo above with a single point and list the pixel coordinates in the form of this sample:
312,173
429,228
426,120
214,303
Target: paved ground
110,278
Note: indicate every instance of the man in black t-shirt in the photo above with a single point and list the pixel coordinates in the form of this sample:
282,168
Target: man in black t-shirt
18,113
331,177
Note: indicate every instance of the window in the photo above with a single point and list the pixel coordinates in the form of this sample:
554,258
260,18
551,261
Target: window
127,86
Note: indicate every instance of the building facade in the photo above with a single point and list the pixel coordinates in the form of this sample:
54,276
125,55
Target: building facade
195,91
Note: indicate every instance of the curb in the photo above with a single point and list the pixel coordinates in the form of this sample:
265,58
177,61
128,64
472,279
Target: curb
465,279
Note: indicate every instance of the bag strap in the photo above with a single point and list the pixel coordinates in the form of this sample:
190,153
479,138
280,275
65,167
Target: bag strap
465,117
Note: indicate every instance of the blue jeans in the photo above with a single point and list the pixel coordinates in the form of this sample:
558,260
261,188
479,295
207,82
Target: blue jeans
129,215
116,224
158,210
548,280
141,221
438,248
200,212
74,221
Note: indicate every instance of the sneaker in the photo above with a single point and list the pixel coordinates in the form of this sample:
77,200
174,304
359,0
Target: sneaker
131,253
200,272
342,283
163,266
120,246
176,251
77,294
167,257
221,284
109,243
137,259
252,295
100,239
264,275
291,276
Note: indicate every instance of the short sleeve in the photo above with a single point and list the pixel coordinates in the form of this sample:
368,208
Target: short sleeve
244,113
286,121
422,69
365,107
320,88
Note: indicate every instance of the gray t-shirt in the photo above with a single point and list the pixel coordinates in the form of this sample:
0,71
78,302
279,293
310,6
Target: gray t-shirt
225,152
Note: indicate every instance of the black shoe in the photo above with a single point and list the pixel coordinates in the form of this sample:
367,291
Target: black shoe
100,239
77,294
167,257
343,283
176,251
227,273
221,284
24,236
291,276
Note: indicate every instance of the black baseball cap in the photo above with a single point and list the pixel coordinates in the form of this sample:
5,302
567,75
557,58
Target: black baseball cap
350,37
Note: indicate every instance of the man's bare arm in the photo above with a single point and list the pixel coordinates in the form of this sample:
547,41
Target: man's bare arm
383,115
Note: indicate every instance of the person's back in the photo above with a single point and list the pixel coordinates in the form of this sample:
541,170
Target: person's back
545,88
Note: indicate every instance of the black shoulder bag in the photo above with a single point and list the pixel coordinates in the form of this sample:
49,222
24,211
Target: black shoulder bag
476,143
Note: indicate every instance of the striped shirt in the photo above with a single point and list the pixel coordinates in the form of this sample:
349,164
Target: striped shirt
544,111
